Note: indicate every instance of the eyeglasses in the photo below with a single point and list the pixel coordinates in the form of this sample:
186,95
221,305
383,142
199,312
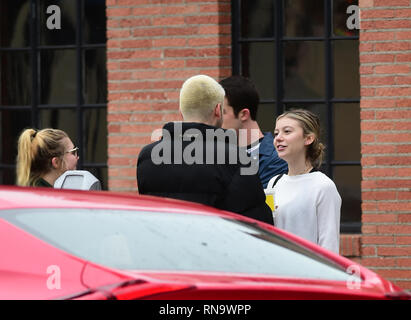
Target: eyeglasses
73,151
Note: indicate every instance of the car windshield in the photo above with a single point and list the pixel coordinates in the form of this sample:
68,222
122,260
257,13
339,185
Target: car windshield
132,240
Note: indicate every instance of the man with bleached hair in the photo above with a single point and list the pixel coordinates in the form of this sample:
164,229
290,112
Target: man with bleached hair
196,160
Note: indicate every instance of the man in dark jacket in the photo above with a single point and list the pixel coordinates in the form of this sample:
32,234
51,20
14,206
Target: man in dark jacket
196,160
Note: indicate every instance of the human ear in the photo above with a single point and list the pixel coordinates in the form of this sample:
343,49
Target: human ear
244,114
55,162
309,139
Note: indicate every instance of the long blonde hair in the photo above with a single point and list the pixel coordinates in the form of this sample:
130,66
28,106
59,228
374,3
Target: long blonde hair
35,151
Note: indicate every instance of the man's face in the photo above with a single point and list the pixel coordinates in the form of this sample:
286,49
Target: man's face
230,121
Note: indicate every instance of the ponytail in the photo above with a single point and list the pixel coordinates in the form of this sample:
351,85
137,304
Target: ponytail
25,156
35,149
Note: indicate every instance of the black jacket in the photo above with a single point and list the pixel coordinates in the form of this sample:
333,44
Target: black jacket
185,165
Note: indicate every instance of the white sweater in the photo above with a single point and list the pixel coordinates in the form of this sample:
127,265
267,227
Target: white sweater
308,206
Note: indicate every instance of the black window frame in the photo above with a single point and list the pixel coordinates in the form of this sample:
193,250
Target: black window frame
35,49
279,39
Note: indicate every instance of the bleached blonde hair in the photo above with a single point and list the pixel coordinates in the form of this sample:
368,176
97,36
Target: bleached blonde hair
199,96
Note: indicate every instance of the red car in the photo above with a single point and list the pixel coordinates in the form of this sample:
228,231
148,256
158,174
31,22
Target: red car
60,244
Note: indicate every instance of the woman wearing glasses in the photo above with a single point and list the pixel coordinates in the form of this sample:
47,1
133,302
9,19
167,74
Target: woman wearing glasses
44,155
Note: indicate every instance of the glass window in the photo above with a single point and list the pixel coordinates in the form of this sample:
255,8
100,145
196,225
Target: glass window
64,119
58,77
257,18
304,73
304,18
66,35
348,181
95,135
14,26
15,76
266,115
12,123
346,75
340,17
258,63
95,21
95,85
178,242
347,145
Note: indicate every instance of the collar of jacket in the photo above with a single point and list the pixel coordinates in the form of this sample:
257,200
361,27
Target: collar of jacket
180,128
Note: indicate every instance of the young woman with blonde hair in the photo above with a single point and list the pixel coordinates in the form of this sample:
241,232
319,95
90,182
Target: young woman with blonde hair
306,201
44,155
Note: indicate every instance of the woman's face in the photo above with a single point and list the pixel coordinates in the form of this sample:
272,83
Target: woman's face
70,156
289,139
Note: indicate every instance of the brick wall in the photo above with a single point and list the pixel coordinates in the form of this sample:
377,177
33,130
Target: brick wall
152,47
385,58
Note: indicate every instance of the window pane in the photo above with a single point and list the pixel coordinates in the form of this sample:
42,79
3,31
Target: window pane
15,78
346,69
101,174
8,176
347,145
12,123
95,135
266,115
95,86
258,64
58,77
95,21
257,19
321,111
304,71
14,23
340,17
304,18
348,181
67,33
63,119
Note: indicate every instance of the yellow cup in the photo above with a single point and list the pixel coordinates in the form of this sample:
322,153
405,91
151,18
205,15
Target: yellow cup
269,200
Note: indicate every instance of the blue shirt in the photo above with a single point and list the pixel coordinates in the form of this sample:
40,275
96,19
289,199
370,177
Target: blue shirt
269,163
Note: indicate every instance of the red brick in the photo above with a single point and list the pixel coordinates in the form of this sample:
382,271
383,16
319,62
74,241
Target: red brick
379,262
394,251
378,103
394,273
395,206
391,3
380,195
377,126
403,240
405,218
393,114
373,149
392,69
377,13
394,229
403,262
377,80
378,36
377,239
368,251
394,137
